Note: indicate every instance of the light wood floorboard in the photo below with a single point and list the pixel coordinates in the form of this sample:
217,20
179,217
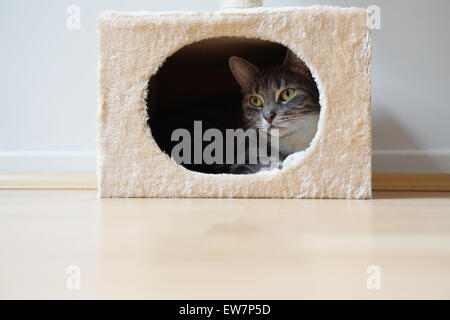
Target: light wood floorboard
223,248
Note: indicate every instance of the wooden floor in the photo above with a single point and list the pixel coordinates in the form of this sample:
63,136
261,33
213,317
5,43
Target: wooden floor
214,249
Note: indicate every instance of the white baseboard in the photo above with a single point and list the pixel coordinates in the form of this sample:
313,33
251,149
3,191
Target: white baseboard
411,161
384,161
48,161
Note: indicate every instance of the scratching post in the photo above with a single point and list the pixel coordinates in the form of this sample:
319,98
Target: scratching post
233,4
333,42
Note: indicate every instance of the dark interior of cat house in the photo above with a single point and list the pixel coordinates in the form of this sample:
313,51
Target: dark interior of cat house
196,84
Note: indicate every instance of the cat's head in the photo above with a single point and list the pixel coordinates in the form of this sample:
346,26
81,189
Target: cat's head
281,97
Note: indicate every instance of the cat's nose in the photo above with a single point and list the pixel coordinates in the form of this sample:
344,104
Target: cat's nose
269,116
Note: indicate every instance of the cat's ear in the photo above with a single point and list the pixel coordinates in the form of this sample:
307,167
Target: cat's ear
294,63
243,71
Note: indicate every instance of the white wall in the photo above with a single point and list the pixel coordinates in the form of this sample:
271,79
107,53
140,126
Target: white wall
48,82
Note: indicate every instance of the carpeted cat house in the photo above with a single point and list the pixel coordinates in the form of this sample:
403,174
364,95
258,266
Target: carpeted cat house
333,42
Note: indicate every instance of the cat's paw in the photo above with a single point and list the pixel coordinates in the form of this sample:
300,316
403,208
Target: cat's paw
292,159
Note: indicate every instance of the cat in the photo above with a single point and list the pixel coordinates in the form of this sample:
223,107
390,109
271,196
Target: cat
281,102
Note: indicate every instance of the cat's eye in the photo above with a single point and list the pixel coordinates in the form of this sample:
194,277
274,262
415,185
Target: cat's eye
256,101
287,94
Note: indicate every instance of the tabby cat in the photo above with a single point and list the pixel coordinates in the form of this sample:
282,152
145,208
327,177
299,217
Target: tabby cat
284,98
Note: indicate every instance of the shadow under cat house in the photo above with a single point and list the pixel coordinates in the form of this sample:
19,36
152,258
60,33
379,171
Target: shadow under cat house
259,102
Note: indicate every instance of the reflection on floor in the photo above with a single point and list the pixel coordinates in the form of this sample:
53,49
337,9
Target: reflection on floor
213,248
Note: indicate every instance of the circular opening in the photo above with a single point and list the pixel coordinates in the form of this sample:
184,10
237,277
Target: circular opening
217,104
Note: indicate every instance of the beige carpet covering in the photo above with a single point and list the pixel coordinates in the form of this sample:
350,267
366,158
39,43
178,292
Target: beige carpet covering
334,42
